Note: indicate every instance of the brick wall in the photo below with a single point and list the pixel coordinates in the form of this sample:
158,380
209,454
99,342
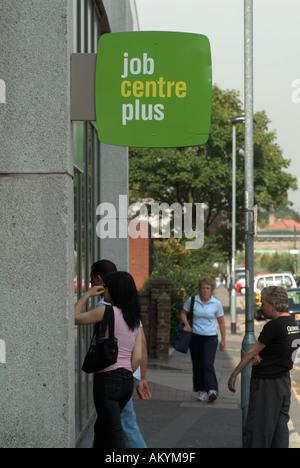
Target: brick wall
139,259
156,317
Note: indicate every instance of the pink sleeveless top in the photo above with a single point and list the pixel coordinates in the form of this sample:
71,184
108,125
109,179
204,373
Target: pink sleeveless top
126,340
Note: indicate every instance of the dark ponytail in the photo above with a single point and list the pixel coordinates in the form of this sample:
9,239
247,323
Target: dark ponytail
123,293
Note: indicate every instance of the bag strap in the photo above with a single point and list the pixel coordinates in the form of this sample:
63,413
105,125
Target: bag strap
108,321
191,314
100,327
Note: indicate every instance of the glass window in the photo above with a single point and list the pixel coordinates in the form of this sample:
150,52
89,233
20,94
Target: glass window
86,198
288,282
269,280
278,280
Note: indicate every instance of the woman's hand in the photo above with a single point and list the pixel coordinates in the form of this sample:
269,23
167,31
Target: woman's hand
187,328
222,345
92,316
96,291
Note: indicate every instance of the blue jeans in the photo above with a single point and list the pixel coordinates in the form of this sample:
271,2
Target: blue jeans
203,353
133,436
112,390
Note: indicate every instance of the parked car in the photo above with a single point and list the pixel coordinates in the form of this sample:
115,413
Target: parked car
263,280
240,285
76,286
294,303
274,279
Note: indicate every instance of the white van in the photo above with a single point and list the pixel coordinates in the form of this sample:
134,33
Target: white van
285,279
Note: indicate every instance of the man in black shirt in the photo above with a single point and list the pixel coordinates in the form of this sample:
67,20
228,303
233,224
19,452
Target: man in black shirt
270,390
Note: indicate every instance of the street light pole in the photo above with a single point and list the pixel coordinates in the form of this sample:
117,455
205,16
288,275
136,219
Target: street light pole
233,233
234,120
249,338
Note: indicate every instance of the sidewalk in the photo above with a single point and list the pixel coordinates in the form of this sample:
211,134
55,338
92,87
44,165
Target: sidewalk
173,418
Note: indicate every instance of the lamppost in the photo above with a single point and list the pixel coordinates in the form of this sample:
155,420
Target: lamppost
234,121
249,338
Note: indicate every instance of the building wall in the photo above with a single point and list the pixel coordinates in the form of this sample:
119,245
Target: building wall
271,244
114,159
36,226
37,378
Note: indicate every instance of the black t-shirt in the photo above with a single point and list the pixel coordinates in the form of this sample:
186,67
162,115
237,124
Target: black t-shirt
282,338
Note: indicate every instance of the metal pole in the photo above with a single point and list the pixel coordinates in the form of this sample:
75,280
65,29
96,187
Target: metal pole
249,338
233,234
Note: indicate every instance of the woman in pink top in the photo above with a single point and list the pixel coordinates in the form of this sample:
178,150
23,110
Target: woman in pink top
113,386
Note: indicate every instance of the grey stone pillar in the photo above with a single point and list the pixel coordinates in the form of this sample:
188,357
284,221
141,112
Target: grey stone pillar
36,226
114,160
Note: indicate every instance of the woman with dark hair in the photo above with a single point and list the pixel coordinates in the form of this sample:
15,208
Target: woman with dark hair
113,386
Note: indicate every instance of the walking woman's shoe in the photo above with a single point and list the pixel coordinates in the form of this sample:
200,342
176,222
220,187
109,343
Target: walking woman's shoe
212,395
202,396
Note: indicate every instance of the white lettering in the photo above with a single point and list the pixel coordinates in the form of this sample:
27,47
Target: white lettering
135,65
115,458
107,226
158,108
188,223
125,74
127,113
2,92
148,60
159,221
144,111
171,457
296,93
2,352
141,221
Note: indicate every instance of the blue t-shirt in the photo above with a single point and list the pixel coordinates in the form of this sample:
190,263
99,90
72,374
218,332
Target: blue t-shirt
205,315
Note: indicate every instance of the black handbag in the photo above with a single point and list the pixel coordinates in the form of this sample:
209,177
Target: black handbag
103,352
180,339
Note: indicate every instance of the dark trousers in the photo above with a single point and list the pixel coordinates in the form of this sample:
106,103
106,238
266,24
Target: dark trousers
268,413
112,390
203,353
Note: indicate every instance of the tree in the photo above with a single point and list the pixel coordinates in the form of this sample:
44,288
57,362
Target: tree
184,267
204,174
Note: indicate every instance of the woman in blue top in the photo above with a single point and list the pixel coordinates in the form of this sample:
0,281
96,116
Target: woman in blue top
208,311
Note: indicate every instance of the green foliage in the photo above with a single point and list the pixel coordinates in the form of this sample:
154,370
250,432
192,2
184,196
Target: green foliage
203,174
277,262
171,260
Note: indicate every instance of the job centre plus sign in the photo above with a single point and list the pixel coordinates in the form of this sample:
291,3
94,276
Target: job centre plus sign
153,89
149,89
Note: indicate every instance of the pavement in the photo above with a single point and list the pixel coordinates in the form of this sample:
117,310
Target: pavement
174,418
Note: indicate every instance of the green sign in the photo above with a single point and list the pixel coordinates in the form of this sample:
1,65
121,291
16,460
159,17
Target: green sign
153,89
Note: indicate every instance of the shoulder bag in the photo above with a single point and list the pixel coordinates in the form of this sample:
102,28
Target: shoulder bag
180,339
103,352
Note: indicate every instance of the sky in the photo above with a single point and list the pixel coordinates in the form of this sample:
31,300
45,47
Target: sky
276,32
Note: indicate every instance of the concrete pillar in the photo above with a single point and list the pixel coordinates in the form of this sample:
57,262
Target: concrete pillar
36,226
114,182
114,160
